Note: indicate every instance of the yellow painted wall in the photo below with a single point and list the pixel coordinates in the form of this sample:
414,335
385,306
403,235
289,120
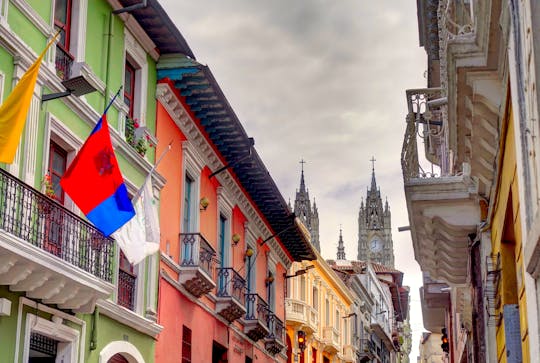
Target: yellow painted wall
506,226
327,283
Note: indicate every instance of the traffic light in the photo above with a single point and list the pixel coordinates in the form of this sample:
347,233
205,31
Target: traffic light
445,346
301,337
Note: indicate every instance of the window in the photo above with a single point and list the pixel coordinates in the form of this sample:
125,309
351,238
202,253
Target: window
315,301
118,358
271,291
186,345
57,168
188,204
223,255
303,288
337,323
327,312
251,271
62,22
129,87
127,283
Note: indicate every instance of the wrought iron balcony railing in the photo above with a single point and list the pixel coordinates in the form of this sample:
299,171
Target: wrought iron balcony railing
126,289
197,252
36,219
427,122
256,321
257,308
230,284
367,347
63,62
275,341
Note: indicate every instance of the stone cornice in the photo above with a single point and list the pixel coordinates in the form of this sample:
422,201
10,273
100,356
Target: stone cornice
174,107
129,318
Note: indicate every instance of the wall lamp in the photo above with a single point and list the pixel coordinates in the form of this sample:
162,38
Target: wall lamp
204,202
381,312
249,253
348,316
77,85
235,239
299,272
269,279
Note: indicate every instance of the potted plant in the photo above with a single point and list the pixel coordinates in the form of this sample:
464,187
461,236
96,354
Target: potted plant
44,205
137,140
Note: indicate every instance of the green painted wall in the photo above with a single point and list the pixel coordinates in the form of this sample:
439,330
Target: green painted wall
26,30
108,330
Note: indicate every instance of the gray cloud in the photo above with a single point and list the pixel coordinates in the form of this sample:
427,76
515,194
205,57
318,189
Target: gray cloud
323,80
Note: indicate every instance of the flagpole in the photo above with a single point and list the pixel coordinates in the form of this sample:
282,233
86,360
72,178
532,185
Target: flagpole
154,167
111,102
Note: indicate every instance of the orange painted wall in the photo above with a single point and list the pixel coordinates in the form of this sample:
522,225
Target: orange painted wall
171,169
209,217
238,221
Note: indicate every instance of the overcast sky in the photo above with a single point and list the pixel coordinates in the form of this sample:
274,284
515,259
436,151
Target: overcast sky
322,80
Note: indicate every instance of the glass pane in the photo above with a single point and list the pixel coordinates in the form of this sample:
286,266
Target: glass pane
128,80
60,11
58,163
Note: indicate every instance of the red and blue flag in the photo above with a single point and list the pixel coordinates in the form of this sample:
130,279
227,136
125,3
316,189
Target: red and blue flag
94,182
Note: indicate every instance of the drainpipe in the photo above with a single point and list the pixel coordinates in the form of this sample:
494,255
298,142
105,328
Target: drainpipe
131,8
94,333
108,60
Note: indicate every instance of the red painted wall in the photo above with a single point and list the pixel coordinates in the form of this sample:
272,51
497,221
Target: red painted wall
209,217
171,169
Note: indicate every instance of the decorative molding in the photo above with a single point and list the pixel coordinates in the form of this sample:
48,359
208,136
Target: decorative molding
129,318
198,142
121,347
33,17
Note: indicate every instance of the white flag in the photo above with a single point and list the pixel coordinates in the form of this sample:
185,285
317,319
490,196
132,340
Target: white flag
140,236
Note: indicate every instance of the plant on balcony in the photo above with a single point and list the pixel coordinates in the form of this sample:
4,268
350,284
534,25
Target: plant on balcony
140,144
44,206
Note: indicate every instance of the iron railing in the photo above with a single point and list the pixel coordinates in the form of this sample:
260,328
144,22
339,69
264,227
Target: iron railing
430,125
37,219
230,284
257,308
126,289
367,347
276,328
197,252
63,62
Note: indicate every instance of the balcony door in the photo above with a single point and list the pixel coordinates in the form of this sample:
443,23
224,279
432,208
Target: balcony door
223,253
62,22
54,216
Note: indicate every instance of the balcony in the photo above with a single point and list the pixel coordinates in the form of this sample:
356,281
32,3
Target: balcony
381,328
48,252
63,63
275,341
300,313
256,321
126,289
197,266
442,203
230,296
349,353
367,350
330,339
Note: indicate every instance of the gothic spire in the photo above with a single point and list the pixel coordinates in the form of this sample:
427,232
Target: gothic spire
373,182
302,183
341,247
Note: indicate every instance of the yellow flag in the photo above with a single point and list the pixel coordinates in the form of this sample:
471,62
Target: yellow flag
15,108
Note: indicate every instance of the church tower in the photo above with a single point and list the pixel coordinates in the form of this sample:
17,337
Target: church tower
303,210
374,227
341,247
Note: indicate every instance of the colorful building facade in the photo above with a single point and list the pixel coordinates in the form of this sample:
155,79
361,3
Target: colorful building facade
227,236
320,305
67,292
471,214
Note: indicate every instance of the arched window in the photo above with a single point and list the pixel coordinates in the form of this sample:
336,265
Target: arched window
118,358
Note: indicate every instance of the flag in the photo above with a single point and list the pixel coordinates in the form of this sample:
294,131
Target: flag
140,236
15,108
94,182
